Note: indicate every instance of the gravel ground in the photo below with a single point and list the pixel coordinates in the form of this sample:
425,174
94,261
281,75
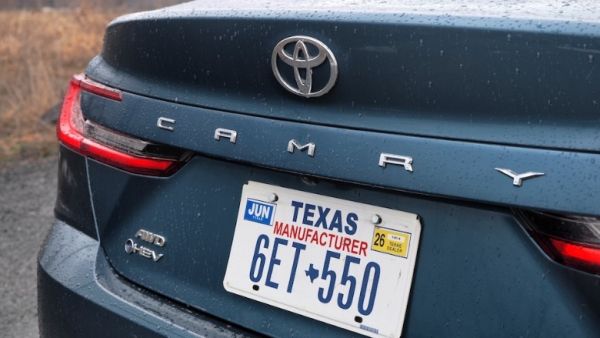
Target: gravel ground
27,193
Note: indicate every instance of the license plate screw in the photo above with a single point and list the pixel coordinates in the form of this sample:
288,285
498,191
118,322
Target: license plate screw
376,219
273,197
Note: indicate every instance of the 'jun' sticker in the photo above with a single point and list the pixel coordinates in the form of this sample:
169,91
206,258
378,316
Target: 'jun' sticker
259,212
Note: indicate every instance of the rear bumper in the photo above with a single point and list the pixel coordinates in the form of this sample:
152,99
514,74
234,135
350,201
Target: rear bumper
80,296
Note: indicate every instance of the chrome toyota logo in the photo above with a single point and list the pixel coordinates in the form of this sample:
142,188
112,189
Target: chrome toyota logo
307,54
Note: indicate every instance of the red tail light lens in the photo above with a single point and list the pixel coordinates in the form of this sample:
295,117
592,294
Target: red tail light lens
577,255
108,146
97,88
572,240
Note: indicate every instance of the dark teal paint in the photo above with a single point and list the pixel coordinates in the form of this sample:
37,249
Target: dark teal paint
511,83
477,273
458,169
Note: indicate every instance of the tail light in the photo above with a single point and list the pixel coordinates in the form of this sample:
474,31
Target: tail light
109,146
572,240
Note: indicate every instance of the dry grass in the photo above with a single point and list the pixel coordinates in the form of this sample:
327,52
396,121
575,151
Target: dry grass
39,51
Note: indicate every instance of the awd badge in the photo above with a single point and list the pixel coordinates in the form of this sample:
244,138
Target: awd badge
132,247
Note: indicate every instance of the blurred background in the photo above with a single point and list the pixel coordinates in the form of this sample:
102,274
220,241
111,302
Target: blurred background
43,43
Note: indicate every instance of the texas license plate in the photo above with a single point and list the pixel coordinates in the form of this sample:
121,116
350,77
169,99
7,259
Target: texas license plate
344,263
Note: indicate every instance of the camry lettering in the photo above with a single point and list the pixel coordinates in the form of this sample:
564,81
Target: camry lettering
229,134
404,161
309,147
519,178
385,159
165,123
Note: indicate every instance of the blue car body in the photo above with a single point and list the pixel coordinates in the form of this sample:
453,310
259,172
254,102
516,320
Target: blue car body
464,91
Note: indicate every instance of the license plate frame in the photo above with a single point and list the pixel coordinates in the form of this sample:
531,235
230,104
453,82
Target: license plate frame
291,283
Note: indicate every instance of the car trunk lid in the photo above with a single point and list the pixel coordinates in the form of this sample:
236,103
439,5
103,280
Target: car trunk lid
519,81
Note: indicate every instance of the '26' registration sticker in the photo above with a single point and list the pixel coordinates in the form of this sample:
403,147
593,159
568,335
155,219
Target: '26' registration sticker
391,242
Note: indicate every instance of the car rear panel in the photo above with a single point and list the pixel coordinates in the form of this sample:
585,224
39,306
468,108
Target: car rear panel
477,270
458,97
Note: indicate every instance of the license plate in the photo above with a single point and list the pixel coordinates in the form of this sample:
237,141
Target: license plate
344,263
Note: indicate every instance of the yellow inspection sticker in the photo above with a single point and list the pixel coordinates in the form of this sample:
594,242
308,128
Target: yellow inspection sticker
391,242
